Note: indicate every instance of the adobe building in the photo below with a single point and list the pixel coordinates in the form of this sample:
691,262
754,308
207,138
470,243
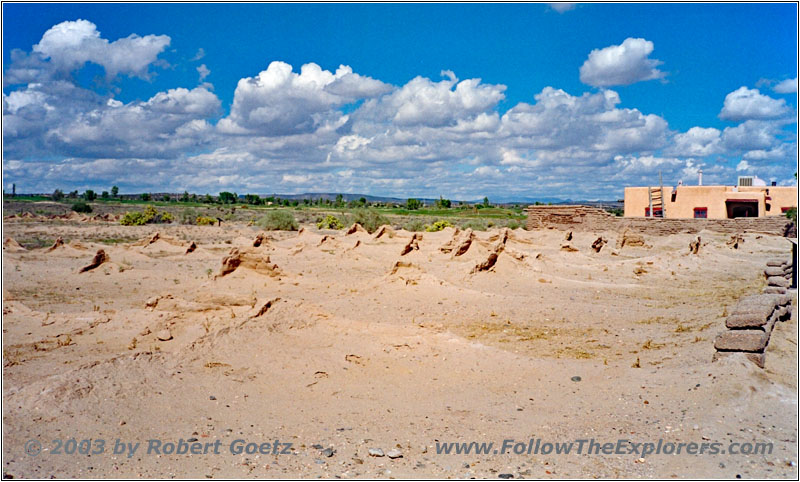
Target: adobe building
750,198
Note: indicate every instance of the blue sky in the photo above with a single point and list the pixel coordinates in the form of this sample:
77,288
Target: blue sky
573,102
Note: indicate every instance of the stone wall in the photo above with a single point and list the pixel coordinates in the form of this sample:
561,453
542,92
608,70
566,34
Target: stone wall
567,217
587,218
751,323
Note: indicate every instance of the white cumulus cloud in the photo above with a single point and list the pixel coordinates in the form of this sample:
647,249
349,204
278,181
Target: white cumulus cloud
621,64
281,102
744,104
71,44
788,86
697,142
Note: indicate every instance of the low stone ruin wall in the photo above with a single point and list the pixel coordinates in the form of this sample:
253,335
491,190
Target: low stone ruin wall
750,325
567,217
587,218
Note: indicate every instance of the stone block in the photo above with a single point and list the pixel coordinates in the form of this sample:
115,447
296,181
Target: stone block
750,321
779,281
742,340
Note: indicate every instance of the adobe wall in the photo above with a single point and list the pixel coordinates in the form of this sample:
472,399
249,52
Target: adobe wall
587,218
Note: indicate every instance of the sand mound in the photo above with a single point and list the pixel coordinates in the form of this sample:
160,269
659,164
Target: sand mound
260,238
406,273
566,246
501,237
78,245
412,245
632,240
326,239
384,230
400,265
263,307
598,244
148,240
99,258
10,244
735,241
459,243
59,243
356,228
694,245
494,253
249,260
108,217
26,216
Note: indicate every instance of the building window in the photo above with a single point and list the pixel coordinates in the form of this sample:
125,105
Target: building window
701,213
656,212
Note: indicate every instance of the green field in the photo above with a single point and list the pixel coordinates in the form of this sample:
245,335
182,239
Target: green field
466,216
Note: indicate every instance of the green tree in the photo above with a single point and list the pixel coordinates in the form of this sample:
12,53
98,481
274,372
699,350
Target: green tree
73,194
185,197
145,196
58,195
104,195
254,199
114,191
89,195
81,207
413,204
339,201
443,203
486,202
226,197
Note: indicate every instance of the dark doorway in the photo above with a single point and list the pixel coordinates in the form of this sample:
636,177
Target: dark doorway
742,208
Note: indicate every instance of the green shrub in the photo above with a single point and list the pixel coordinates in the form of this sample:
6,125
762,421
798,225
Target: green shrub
205,221
370,219
792,214
81,207
438,226
133,218
513,225
278,220
148,216
475,225
414,225
188,216
330,222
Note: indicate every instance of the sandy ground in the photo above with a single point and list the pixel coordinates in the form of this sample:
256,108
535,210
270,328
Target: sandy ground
329,343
